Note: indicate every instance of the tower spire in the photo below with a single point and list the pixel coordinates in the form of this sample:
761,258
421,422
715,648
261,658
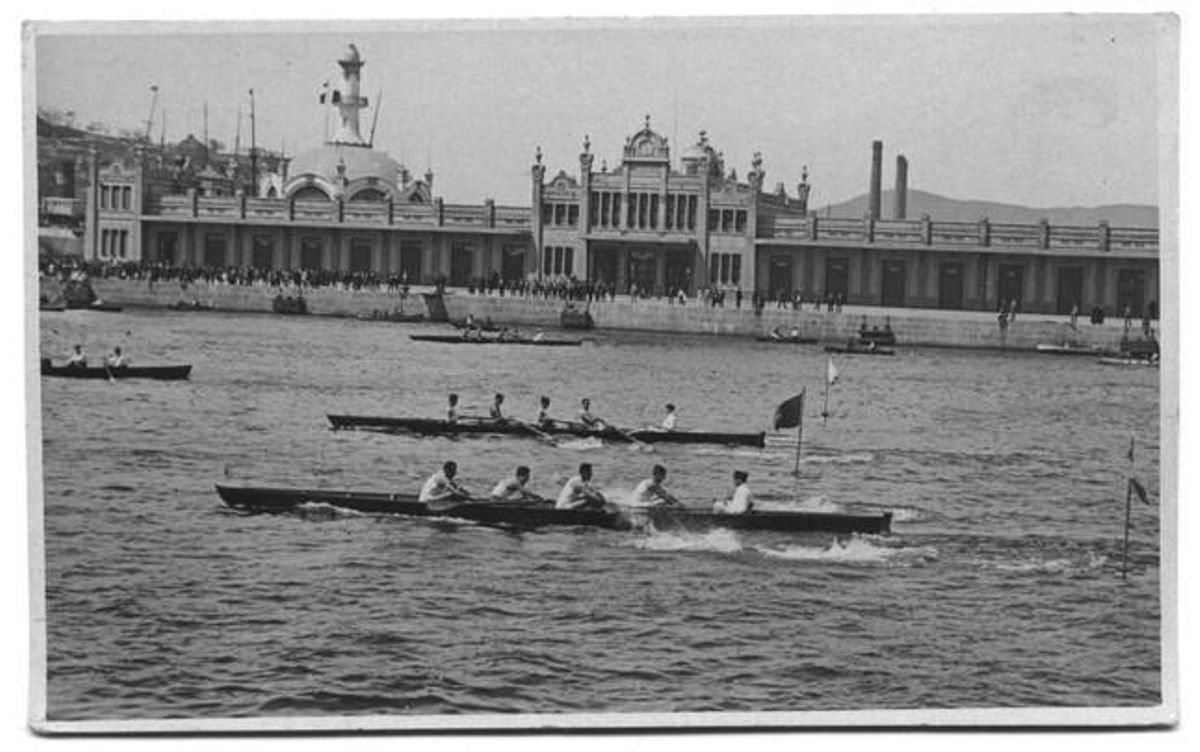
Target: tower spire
350,101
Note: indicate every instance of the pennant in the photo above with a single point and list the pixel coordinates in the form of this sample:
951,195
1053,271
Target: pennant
1139,490
831,374
790,412
1130,455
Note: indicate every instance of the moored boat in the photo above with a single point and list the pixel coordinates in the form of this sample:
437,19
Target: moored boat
1066,348
434,427
162,373
479,339
1128,361
855,347
94,306
261,499
793,337
573,318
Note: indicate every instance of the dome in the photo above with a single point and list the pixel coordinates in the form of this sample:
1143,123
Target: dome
323,166
350,55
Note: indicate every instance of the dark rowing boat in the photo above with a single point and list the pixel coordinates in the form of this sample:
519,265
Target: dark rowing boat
260,499
788,339
855,348
1066,348
432,427
471,339
162,373
94,306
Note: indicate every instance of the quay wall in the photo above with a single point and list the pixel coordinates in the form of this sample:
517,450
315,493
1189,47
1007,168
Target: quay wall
913,327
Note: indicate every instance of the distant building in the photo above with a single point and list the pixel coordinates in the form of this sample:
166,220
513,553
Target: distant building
647,224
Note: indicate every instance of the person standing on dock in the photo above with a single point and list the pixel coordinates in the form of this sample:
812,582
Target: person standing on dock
512,489
742,501
650,492
578,492
441,486
495,412
668,423
452,409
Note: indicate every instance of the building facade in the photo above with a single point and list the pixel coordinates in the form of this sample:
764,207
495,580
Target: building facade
647,225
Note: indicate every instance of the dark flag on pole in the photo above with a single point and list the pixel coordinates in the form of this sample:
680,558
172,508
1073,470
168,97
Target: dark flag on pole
1139,490
790,412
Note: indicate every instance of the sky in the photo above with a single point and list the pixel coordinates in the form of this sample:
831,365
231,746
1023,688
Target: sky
1047,110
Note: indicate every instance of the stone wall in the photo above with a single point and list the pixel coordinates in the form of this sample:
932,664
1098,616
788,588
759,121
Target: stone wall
913,327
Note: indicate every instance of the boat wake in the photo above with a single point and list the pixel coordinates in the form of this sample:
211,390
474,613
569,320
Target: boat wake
854,458
581,445
1078,565
856,550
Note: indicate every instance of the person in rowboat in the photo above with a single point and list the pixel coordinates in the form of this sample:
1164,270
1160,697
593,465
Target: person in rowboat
650,493
512,489
742,501
578,492
585,414
495,411
441,486
117,359
543,414
77,358
452,409
668,423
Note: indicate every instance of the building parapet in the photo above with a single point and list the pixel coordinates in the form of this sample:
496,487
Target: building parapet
57,206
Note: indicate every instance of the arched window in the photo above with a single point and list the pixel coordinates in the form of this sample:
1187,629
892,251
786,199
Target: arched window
310,193
369,194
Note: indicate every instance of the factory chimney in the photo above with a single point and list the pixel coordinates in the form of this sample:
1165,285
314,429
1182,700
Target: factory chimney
901,207
876,177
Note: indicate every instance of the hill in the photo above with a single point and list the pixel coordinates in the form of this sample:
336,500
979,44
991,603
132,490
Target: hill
955,210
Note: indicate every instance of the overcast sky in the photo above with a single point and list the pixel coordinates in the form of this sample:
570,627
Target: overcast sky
1050,110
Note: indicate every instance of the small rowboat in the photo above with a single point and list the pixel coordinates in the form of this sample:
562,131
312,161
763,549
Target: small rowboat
1127,361
259,499
96,306
432,427
1066,348
788,339
856,348
471,339
162,373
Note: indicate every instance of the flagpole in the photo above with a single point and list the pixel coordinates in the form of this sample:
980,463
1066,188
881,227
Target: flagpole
1128,506
825,411
799,435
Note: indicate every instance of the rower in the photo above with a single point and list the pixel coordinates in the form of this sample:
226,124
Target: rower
494,411
441,486
452,409
578,492
668,423
512,489
77,358
543,415
585,414
742,501
117,359
650,493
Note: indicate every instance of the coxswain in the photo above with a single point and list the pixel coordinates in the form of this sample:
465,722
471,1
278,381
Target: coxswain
512,489
742,500
585,414
452,409
578,492
441,486
650,493
668,423
77,358
495,412
543,414
117,359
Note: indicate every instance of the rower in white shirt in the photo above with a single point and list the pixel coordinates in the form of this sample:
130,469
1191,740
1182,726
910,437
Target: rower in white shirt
441,486
496,412
512,489
77,359
585,414
452,409
742,501
543,414
668,423
650,493
578,492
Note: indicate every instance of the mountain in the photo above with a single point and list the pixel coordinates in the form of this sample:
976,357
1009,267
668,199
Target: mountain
941,208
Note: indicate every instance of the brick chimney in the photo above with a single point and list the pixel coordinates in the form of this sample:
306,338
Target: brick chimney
901,198
876,178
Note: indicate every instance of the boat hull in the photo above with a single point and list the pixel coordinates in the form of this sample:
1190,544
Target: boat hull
789,340
457,339
161,373
859,350
430,427
278,500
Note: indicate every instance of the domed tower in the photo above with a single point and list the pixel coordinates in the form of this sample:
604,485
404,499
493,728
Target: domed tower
696,157
350,101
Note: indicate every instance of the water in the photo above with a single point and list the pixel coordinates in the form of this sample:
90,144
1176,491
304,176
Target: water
1000,586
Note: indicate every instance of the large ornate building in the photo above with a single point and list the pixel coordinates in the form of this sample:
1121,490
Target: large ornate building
647,224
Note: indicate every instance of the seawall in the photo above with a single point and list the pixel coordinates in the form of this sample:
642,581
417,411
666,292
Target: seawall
913,327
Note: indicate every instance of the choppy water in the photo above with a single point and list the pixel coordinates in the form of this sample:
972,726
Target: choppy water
1000,586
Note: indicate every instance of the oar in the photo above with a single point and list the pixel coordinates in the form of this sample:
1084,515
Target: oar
640,444
542,435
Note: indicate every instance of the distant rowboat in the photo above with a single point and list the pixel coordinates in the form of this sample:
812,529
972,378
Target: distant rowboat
472,339
161,373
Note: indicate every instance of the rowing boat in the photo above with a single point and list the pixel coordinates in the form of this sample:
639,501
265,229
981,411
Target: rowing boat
788,339
162,373
94,306
1066,348
458,339
859,349
259,499
1128,361
430,426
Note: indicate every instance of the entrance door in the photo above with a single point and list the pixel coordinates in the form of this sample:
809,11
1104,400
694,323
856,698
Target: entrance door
214,250
1131,290
168,244
1070,289
310,253
512,266
892,287
641,270
461,256
360,255
837,277
410,261
604,266
678,270
1010,284
262,253
779,276
950,286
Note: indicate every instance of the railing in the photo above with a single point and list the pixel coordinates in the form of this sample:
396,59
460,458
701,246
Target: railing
62,207
898,231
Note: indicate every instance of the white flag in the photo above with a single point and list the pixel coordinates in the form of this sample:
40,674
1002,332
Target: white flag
831,375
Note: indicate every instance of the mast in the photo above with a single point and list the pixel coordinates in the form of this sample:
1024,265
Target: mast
206,141
153,105
253,149
375,118
237,137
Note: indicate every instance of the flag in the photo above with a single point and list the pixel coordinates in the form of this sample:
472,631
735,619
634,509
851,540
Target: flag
831,374
790,412
1139,489
1130,455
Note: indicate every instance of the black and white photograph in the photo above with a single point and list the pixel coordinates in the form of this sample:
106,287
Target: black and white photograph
695,372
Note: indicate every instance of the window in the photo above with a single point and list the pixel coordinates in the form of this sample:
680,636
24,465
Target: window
594,209
104,242
262,252
568,261
631,215
669,219
605,208
214,250
573,215
740,220
616,210
126,197
547,260
547,214
124,242
310,253
559,213
654,211
714,219
735,270
714,268
105,196
691,212
726,220
724,267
